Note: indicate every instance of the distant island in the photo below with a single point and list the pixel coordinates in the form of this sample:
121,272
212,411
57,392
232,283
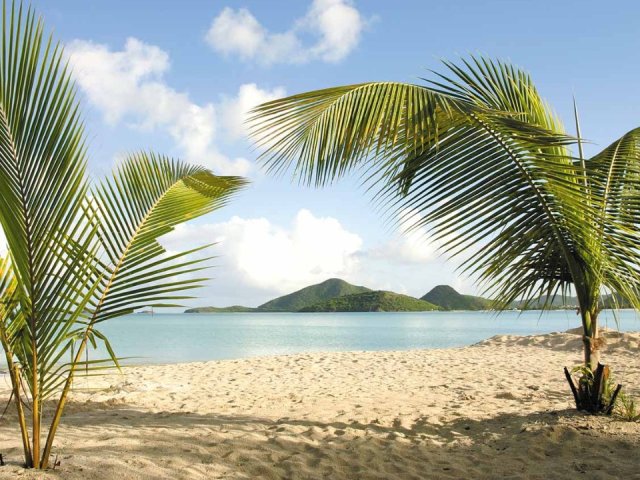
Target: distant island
232,309
336,295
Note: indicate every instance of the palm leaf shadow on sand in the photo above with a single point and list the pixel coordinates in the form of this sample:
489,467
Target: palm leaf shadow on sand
188,445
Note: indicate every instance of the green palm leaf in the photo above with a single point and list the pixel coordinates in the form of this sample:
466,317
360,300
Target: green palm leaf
146,198
445,153
478,158
77,256
42,184
614,185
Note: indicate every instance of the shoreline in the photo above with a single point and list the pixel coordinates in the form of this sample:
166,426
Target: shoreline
498,408
500,338
178,338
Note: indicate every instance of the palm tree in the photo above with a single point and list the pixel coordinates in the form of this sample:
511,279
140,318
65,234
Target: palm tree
479,158
78,255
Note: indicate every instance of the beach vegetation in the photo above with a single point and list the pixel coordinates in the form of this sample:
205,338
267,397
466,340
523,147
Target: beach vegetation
593,391
627,409
376,301
78,254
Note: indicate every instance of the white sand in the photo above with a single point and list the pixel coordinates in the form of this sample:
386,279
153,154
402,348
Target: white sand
499,409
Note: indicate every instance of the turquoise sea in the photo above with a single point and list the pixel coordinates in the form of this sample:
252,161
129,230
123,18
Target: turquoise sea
170,338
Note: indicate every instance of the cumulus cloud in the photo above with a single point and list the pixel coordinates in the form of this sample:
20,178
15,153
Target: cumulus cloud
234,110
259,254
236,32
414,244
128,86
338,25
409,245
334,25
258,259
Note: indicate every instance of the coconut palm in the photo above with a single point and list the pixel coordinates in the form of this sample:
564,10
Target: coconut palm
477,157
78,255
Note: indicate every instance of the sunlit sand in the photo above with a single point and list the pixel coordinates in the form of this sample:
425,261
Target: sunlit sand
499,409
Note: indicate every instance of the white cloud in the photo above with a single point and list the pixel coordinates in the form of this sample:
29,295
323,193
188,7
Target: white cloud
258,260
256,253
409,245
128,85
236,32
234,111
339,26
335,25
413,244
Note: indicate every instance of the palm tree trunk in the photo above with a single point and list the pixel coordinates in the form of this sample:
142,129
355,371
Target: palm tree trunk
591,392
14,375
591,351
35,410
55,422
590,339
22,419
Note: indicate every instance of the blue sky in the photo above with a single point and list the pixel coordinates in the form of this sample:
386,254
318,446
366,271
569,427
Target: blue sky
176,77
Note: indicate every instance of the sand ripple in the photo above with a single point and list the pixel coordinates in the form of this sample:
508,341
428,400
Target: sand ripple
498,409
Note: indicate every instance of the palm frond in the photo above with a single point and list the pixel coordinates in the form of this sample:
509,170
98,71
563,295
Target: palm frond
11,319
145,199
477,157
76,259
43,186
614,185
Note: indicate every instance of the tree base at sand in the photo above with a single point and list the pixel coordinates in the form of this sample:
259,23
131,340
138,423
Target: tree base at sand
593,392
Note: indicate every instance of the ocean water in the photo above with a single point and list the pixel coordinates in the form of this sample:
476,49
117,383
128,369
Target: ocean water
171,338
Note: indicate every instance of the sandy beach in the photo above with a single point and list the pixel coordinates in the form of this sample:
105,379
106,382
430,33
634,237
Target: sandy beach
498,409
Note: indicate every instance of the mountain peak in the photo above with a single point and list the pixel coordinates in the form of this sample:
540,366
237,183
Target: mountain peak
448,298
305,297
448,289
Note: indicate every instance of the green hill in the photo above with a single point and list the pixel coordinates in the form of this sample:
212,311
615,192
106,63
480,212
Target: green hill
232,309
377,301
447,298
332,288
335,295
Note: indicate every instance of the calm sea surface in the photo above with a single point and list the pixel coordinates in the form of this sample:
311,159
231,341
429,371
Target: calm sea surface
170,338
